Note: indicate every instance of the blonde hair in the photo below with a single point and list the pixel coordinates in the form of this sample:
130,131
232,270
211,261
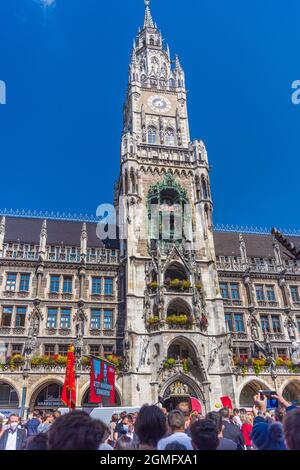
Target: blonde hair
247,419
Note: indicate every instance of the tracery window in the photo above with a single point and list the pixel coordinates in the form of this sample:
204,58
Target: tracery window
152,135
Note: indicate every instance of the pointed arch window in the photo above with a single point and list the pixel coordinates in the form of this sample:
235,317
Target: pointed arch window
172,83
170,137
204,189
152,42
152,135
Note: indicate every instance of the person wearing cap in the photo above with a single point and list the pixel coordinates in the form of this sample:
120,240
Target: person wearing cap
267,436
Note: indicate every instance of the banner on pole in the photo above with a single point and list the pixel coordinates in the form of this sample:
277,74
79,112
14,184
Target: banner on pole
103,376
68,395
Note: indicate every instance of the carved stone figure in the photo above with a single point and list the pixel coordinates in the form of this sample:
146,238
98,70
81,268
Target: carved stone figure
291,330
254,330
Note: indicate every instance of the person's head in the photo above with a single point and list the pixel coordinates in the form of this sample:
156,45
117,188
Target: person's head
164,411
122,415
246,419
36,414
204,434
150,425
279,414
185,408
225,413
125,443
236,412
243,411
48,418
56,414
216,418
38,442
13,421
175,445
76,431
176,421
291,426
115,418
268,436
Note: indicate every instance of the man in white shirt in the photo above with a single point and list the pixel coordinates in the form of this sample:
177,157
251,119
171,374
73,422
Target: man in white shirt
13,438
176,423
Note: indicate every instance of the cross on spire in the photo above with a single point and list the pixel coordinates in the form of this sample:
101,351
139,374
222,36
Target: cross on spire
148,23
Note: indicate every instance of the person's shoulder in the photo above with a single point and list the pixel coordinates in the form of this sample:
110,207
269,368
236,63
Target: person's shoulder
227,444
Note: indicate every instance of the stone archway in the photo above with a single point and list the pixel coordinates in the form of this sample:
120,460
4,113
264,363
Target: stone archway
291,392
181,388
248,391
47,396
9,397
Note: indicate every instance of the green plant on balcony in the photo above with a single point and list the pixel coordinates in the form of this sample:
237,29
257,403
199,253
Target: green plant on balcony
153,320
49,361
286,362
258,365
178,319
169,363
174,283
86,361
198,286
153,285
186,365
117,361
178,284
15,361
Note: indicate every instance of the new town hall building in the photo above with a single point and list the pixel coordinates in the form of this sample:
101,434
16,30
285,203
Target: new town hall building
182,309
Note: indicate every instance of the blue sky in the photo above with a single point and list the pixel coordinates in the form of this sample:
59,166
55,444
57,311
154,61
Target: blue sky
65,67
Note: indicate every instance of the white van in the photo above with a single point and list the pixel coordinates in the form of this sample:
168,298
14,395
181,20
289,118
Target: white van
104,414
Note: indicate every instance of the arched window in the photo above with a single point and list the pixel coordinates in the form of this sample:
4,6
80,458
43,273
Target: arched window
152,41
172,83
152,135
204,189
170,137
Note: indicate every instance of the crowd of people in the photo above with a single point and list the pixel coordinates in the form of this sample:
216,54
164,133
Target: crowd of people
154,428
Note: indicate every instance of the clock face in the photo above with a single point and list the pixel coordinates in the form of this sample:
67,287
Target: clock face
159,104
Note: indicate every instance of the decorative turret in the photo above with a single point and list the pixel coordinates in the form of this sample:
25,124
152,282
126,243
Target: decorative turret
83,243
43,240
2,233
243,252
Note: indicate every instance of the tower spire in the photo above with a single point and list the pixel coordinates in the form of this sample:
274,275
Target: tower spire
148,23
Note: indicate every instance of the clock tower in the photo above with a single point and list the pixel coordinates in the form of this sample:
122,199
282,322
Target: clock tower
175,342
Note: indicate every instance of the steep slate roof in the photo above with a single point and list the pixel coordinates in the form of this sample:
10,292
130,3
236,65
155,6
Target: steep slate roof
257,245
27,230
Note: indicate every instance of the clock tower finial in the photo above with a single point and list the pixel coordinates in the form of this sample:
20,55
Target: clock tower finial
148,23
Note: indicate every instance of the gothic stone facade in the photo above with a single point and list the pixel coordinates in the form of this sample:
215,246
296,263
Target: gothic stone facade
181,304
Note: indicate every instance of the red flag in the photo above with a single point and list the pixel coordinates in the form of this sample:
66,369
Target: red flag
196,405
103,378
226,402
68,395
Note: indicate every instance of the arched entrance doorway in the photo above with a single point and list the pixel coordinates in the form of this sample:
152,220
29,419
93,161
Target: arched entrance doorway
85,403
291,392
182,392
9,400
47,397
248,392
